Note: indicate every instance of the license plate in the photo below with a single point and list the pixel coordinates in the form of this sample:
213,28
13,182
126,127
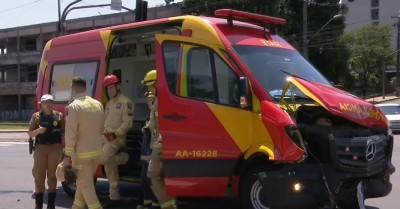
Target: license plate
360,196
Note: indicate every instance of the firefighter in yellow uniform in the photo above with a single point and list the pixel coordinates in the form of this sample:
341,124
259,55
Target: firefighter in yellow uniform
83,143
119,119
155,170
47,126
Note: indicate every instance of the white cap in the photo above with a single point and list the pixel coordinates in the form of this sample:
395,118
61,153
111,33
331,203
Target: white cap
46,97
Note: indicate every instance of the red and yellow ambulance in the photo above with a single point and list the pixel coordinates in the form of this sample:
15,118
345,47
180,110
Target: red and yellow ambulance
241,112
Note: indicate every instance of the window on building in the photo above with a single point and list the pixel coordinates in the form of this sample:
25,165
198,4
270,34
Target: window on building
2,76
374,3
32,73
62,75
375,14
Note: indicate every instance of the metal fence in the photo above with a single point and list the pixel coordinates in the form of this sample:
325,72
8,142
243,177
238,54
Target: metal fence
13,115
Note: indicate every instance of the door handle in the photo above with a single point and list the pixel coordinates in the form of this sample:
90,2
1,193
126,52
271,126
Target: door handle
174,117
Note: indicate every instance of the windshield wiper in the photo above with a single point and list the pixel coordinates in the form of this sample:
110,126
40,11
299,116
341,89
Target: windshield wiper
293,97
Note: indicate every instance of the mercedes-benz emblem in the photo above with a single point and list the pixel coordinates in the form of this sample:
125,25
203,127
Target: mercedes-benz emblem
371,151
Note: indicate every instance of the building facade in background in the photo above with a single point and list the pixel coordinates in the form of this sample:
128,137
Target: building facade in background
362,12
21,49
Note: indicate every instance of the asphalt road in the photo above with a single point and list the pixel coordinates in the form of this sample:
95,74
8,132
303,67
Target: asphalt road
16,184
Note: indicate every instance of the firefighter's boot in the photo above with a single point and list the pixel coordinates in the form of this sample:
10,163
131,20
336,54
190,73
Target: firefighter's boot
38,200
51,200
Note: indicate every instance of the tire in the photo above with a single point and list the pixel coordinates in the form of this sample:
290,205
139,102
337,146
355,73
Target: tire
251,191
70,188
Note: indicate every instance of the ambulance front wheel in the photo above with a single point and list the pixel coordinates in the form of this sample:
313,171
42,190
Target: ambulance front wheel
252,194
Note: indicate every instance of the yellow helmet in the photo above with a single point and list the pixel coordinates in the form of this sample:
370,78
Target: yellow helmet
150,78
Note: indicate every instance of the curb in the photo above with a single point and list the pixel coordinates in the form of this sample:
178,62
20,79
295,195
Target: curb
13,131
378,101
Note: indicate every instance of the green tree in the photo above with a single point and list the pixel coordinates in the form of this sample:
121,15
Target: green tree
325,50
369,47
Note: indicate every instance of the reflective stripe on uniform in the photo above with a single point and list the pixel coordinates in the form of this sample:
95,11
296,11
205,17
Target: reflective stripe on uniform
168,204
155,204
79,203
90,154
77,167
145,157
69,151
94,206
114,184
147,202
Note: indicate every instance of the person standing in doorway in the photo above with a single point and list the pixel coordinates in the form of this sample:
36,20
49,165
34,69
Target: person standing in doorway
119,119
149,200
155,170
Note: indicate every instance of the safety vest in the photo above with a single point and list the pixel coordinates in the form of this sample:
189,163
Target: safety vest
53,128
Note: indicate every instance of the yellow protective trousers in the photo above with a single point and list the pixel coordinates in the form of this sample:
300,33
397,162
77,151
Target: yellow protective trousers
85,190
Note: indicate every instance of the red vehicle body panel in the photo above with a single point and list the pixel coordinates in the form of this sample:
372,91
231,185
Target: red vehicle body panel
345,105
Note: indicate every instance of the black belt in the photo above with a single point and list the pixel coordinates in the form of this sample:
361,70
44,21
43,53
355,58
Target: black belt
43,142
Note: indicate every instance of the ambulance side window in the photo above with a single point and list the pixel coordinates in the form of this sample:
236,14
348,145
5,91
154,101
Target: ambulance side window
227,82
199,75
171,57
63,73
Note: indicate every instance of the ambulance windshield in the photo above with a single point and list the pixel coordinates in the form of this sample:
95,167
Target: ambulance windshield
271,67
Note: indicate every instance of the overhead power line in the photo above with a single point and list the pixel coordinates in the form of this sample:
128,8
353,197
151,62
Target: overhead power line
17,7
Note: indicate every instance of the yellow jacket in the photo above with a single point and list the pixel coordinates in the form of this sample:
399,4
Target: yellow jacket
84,128
119,115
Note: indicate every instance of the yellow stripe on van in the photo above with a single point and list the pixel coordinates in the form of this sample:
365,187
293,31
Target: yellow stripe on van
105,36
44,62
245,128
201,29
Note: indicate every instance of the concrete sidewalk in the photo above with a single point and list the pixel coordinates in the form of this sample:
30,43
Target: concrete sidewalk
380,99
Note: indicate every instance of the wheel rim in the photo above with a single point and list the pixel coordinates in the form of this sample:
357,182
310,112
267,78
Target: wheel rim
255,194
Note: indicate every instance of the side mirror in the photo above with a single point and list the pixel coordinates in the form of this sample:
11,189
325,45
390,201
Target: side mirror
244,92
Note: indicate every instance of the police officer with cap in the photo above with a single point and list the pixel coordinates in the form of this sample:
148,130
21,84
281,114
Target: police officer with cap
47,127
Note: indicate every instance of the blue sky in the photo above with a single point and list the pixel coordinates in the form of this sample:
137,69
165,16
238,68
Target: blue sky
14,13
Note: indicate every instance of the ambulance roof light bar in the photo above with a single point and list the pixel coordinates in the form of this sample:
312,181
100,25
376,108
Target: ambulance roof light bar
262,20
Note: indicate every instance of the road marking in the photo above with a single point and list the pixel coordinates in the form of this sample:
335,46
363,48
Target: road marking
7,144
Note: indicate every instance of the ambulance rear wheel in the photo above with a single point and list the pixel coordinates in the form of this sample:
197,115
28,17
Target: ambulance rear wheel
70,188
252,194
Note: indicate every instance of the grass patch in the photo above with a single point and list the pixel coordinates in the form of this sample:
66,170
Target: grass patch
13,125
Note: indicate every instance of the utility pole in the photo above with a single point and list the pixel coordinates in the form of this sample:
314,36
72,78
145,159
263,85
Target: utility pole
305,29
398,55
59,18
